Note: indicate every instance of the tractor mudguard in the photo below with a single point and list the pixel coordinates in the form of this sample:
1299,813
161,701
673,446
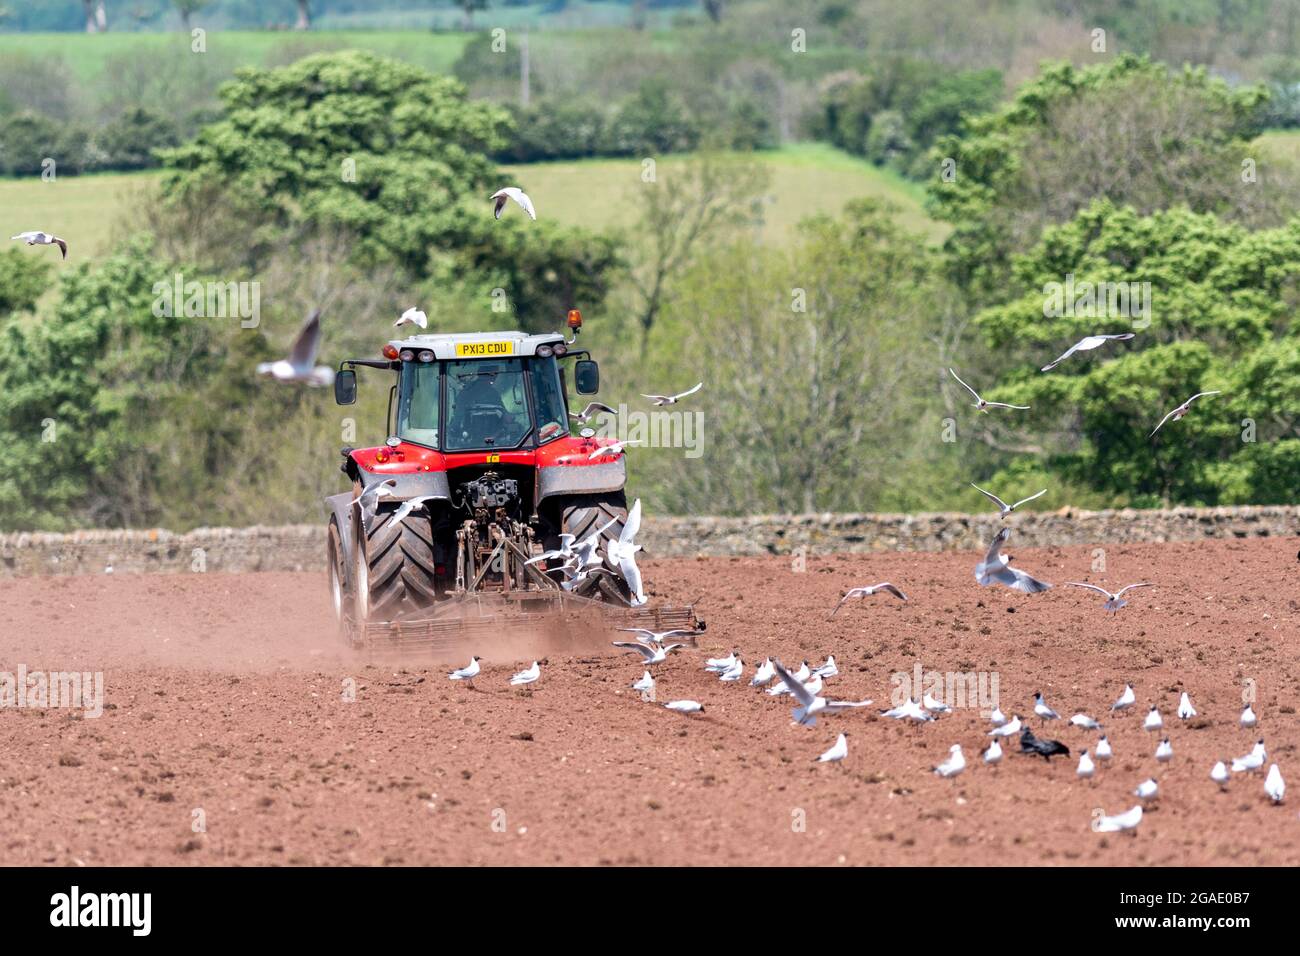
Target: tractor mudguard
581,479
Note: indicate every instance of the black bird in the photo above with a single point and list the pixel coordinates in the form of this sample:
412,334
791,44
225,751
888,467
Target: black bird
1029,744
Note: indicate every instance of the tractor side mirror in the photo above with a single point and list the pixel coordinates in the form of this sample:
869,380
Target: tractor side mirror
586,377
345,387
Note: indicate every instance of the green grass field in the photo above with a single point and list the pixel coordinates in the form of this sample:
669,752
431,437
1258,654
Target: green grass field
806,179
86,55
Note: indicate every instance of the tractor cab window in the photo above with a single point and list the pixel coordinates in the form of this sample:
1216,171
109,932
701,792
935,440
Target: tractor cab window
486,404
548,401
417,406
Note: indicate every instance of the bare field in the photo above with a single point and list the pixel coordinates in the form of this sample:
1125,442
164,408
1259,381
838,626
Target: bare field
224,694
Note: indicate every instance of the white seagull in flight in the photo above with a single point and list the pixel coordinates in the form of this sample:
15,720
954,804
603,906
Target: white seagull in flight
651,655
1087,344
867,591
996,569
1005,509
413,316
614,448
672,399
1114,601
620,554
301,366
518,195
982,405
1182,410
42,239
589,412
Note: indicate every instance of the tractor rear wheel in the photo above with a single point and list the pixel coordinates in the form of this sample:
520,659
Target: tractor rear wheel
394,566
583,515
340,591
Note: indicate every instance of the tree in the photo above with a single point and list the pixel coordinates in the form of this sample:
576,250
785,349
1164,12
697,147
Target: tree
1130,130
689,205
304,15
187,9
96,20
396,158
1219,308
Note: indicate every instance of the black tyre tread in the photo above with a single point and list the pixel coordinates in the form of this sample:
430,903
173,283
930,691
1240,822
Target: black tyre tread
584,514
401,564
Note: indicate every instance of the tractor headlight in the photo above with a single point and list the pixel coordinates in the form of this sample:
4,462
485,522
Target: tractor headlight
407,355
545,351
559,348
426,355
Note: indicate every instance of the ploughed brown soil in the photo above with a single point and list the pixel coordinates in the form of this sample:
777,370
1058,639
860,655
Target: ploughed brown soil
224,694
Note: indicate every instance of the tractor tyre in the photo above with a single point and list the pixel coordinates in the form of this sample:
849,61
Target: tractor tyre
339,588
394,565
583,515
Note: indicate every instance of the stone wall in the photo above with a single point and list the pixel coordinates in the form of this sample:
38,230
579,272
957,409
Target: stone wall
302,547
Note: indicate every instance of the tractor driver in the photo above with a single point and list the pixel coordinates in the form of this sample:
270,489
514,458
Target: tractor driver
480,415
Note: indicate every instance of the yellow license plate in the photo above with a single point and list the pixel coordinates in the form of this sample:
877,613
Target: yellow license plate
484,349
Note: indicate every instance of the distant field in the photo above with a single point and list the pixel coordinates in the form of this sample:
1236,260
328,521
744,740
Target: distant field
81,209
806,179
1282,142
86,55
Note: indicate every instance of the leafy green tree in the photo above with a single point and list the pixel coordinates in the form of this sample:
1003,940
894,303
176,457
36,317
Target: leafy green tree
23,279
393,156
1218,316
1129,130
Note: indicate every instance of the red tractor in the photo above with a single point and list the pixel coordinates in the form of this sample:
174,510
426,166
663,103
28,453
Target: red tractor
447,520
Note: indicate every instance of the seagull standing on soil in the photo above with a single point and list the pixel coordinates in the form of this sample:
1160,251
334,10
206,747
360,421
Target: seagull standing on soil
1274,785
685,706
1008,729
1005,509
839,750
673,399
1248,719
1147,789
468,672
518,195
997,718
1164,751
934,706
1123,821
1181,410
1219,774
954,765
908,711
996,569
528,676
1126,699
1252,761
300,365
867,591
829,669
720,664
1153,720
42,239
412,316
733,673
764,674
1086,345
1086,767
1103,748
646,684
982,405
1044,712
1085,722
993,755
1114,601
1185,709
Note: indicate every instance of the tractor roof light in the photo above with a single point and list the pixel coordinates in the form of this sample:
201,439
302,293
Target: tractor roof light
575,319
545,351
559,348
426,355
407,355
389,351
